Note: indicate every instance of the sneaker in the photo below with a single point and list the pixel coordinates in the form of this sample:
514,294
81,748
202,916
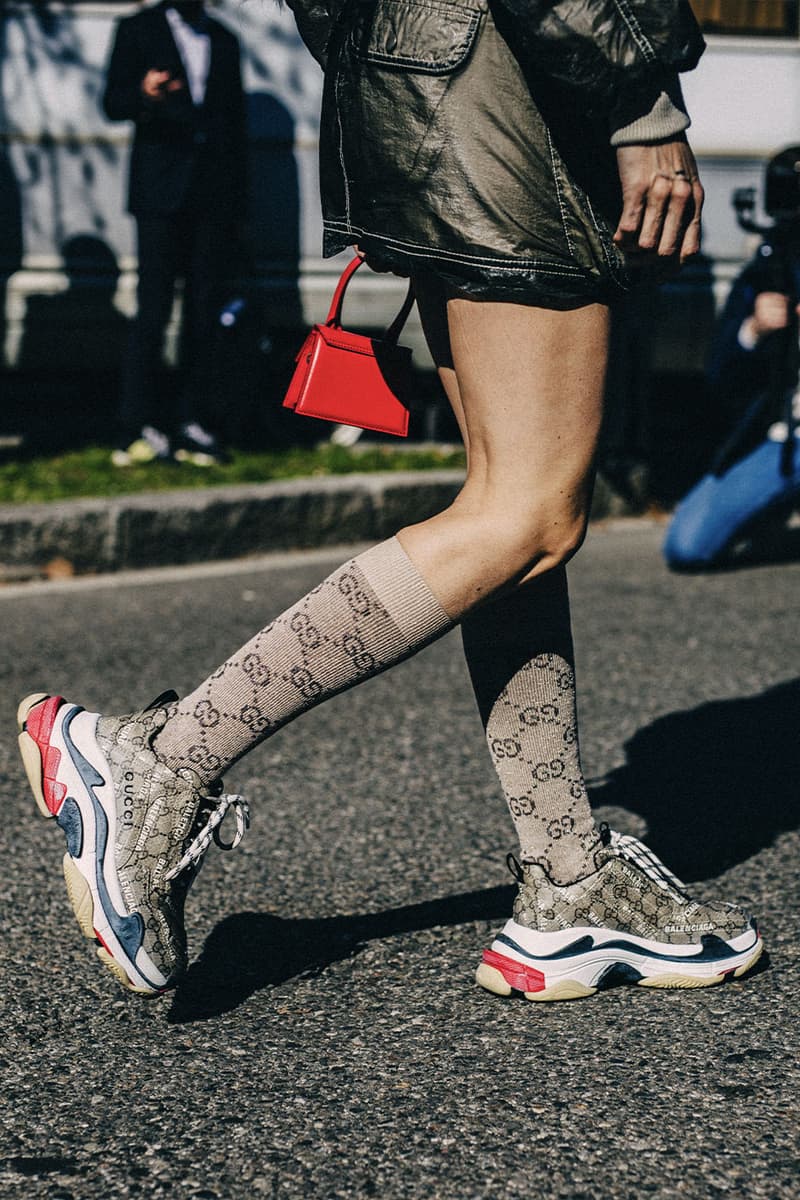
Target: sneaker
196,445
345,435
631,921
136,831
151,446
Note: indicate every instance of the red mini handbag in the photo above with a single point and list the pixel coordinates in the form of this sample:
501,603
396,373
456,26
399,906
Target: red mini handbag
350,378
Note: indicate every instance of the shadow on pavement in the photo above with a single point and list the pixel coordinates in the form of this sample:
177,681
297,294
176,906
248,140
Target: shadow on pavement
715,784
250,951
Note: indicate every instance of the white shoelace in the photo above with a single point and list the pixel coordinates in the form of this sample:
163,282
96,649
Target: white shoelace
210,832
648,862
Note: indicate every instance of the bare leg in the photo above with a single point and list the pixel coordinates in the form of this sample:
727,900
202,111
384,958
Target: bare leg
526,385
518,647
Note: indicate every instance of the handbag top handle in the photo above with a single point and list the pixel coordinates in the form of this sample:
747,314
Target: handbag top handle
334,317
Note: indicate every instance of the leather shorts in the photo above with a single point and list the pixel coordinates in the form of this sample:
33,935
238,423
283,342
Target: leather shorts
439,153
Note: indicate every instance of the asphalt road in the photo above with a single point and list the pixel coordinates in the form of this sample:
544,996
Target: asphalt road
328,1041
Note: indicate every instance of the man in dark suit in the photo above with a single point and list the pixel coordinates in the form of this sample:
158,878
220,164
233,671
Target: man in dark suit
175,72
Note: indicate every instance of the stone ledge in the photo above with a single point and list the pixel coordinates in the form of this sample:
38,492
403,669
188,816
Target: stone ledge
173,528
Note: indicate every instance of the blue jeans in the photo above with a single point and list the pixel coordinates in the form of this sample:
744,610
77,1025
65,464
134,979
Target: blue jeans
718,507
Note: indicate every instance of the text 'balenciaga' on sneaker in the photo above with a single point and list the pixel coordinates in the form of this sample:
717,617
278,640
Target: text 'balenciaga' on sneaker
136,831
630,921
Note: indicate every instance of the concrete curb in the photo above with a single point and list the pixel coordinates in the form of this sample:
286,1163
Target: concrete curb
174,528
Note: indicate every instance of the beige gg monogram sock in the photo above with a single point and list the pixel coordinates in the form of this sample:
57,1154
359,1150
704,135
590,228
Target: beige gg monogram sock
371,613
519,653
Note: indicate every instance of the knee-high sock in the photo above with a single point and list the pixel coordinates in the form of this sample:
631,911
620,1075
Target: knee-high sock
520,657
371,613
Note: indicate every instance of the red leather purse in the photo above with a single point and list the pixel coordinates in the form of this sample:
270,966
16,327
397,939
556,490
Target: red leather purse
350,378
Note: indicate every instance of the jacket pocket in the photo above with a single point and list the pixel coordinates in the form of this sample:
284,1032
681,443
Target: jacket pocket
412,35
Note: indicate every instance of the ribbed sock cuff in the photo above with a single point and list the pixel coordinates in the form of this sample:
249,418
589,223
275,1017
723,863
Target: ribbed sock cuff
403,592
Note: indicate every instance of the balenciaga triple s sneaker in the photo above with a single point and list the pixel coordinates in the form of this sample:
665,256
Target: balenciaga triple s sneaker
630,921
136,831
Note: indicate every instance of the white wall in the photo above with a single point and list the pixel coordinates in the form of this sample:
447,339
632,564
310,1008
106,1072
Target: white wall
744,100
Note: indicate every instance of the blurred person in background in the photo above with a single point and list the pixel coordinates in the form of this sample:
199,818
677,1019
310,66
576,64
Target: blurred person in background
175,72
754,372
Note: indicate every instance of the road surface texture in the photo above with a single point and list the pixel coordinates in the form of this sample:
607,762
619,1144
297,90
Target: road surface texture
328,1040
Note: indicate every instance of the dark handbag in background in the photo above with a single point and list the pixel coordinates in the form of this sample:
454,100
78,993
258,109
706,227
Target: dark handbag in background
350,378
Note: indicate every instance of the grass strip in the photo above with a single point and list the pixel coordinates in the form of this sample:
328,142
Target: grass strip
89,472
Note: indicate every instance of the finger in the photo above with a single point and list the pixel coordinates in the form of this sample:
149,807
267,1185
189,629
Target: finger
692,237
627,231
658,199
678,216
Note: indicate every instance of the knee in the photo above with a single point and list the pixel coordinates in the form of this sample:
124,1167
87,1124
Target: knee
526,542
529,522
547,541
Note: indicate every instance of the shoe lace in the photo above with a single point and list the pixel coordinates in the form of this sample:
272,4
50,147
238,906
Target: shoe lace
515,867
636,852
194,852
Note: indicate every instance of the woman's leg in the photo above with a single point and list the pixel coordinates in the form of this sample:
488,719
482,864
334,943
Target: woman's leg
369,614
531,418
519,653
518,647
526,385
592,909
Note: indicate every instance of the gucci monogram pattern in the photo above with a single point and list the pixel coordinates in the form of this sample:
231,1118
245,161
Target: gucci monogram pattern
334,637
533,740
157,810
621,896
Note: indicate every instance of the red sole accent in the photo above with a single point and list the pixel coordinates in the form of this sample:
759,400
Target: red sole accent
516,974
39,724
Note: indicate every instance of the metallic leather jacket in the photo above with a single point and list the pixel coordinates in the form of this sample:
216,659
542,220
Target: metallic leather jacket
472,136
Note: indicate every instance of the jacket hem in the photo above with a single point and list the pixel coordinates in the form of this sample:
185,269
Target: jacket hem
520,280
344,235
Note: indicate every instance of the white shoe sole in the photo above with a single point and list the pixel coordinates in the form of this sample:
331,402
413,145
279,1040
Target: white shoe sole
71,782
570,964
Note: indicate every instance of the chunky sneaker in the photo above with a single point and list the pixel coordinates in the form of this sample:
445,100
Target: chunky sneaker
136,831
196,445
630,921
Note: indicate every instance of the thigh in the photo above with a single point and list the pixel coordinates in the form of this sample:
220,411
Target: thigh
431,296
530,383
526,385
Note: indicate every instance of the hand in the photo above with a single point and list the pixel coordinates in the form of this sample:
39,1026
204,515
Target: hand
157,85
771,313
662,200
